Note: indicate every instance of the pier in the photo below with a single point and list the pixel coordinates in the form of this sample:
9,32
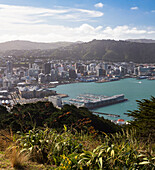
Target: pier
107,114
91,101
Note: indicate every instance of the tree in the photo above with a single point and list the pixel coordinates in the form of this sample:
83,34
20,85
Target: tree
27,116
144,118
3,115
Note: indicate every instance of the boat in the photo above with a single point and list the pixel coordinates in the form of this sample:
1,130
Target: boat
151,78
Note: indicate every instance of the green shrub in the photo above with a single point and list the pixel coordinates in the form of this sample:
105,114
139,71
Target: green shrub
144,119
120,151
65,150
47,146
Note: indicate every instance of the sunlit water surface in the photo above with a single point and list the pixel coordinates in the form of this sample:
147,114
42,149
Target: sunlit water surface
133,90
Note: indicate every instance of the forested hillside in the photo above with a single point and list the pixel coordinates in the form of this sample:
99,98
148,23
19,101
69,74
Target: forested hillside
28,45
27,116
107,50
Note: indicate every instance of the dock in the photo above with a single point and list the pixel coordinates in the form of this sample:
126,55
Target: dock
91,101
107,114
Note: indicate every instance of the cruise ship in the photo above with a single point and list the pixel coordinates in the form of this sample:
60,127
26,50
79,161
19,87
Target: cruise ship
91,101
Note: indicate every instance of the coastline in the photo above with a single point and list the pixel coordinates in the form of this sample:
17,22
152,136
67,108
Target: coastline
130,87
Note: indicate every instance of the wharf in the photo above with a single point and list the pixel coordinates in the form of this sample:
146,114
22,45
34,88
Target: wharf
91,101
107,114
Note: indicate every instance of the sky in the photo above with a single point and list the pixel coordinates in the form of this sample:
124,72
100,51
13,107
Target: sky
76,20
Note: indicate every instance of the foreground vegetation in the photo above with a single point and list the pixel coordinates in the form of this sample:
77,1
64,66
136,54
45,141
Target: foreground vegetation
40,114
65,150
67,139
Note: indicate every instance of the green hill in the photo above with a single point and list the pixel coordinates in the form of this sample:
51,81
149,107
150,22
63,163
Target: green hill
107,50
40,114
28,45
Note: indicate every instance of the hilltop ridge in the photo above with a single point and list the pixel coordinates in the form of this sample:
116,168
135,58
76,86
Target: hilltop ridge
28,45
107,50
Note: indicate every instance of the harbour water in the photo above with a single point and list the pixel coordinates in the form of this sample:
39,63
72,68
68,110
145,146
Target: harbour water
133,90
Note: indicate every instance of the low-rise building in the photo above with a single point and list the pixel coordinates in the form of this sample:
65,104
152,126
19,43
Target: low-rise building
56,100
35,92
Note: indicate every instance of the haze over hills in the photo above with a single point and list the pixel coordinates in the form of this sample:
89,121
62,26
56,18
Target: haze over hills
28,45
107,50
141,40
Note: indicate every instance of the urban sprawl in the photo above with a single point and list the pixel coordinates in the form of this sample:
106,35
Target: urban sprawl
26,80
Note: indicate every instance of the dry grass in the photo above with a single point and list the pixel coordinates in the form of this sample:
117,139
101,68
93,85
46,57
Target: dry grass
5,139
17,157
12,158
5,164
90,145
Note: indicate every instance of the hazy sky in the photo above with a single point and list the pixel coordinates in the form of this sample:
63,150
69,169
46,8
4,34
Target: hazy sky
76,20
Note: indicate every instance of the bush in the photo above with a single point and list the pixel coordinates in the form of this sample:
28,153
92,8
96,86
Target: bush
65,150
144,119
47,146
27,116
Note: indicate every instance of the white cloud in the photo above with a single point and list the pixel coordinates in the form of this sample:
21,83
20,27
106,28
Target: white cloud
99,5
134,8
153,11
91,13
125,32
29,23
84,32
26,14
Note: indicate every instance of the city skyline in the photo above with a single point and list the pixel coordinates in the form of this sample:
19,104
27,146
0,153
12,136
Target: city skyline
53,20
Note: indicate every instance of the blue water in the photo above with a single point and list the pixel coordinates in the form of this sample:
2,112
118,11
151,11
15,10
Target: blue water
133,90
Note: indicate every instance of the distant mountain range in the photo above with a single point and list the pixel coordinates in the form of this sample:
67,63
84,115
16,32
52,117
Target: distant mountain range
107,50
28,45
141,40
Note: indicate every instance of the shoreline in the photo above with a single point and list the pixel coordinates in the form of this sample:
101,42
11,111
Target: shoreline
106,81
102,81
130,87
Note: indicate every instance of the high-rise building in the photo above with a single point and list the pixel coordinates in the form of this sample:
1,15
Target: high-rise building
47,68
9,67
123,70
48,78
41,78
105,66
53,75
72,74
80,68
33,72
100,72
